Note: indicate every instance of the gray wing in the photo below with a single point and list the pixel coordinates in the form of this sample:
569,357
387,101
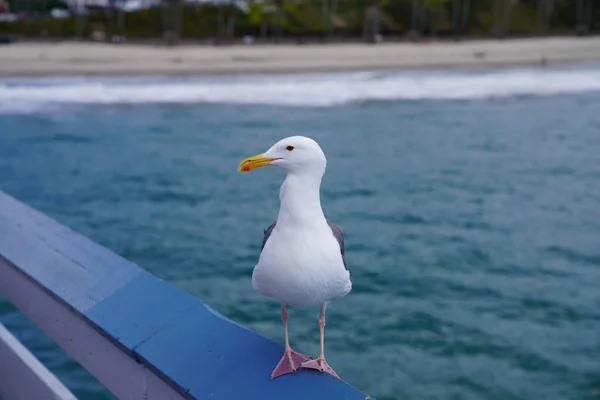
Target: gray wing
267,234
339,236
335,229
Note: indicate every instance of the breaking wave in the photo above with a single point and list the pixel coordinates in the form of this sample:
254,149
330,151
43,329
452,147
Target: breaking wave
302,90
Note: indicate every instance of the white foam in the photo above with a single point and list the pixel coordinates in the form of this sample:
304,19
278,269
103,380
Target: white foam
298,90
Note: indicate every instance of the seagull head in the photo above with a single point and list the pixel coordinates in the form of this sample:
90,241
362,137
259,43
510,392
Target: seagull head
295,154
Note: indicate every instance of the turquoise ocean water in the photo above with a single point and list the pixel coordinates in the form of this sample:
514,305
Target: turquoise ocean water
470,201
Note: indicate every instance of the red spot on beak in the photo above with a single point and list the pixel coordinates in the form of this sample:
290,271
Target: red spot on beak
246,168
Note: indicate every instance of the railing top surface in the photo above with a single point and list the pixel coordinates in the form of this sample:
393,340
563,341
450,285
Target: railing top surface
193,348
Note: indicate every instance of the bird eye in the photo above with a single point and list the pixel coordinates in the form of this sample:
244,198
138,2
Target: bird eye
289,148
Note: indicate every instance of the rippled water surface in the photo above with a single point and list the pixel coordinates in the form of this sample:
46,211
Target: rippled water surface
471,211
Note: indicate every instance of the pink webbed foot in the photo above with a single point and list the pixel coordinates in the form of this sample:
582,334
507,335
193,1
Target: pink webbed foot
320,365
289,363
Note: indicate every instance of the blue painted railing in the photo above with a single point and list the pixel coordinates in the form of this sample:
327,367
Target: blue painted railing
141,337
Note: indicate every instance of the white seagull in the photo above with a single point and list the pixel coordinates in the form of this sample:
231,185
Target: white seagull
302,256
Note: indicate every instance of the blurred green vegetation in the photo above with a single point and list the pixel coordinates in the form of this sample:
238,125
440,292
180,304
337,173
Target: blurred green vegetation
319,18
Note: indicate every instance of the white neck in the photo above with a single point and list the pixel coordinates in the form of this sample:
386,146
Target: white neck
300,199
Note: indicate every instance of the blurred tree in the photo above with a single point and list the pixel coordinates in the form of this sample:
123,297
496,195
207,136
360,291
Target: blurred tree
226,20
279,20
545,8
460,15
115,16
34,6
584,16
326,15
231,20
426,15
318,18
502,16
416,19
172,15
80,19
371,25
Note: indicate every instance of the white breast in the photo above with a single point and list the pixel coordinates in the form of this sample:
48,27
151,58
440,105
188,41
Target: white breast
302,266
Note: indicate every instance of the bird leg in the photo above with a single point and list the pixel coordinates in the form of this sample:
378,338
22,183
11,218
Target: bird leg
291,360
320,364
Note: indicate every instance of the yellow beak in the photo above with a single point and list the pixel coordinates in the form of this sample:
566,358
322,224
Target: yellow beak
253,162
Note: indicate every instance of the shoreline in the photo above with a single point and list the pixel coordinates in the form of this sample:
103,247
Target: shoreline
30,59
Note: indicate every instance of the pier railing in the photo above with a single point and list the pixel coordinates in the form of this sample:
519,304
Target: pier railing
139,336
22,376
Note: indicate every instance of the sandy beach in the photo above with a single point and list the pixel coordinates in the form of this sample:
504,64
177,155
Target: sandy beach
67,58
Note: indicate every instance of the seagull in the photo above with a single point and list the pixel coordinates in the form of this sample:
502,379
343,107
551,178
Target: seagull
302,259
